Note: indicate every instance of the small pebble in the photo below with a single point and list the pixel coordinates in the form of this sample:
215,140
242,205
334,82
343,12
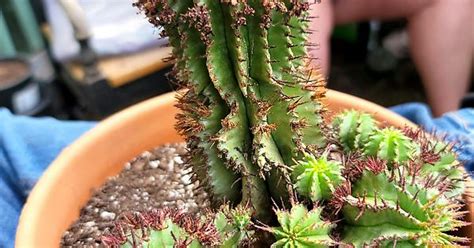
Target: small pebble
139,164
187,171
107,215
170,166
146,155
89,223
154,164
172,194
186,179
178,160
150,179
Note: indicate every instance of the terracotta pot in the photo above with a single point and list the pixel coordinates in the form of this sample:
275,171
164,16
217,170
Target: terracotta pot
67,184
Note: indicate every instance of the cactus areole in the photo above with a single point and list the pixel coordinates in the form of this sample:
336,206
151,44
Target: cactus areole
253,120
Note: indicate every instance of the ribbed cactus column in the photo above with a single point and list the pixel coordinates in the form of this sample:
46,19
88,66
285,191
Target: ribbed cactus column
250,105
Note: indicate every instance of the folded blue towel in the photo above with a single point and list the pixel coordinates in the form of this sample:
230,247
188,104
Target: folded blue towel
28,145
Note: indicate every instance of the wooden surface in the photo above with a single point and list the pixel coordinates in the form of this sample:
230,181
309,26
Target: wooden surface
123,69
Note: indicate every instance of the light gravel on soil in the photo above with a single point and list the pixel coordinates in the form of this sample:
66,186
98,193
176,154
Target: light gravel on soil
155,179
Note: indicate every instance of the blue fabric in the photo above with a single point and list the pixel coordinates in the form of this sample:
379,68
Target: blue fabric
458,127
28,145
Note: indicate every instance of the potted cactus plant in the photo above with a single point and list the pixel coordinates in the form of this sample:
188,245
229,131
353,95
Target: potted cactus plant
279,170
255,128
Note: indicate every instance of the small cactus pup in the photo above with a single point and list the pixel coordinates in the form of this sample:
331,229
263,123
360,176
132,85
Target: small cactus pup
317,178
250,103
403,189
301,228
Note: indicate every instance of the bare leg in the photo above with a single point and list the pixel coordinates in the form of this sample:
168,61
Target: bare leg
322,29
439,34
441,47
346,11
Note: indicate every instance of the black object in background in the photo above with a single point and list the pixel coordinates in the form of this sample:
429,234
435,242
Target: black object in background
19,91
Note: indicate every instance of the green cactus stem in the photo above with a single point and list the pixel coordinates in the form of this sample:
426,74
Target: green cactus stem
390,144
422,153
250,102
403,187
390,207
162,228
317,178
438,160
354,129
358,131
235,226
169,228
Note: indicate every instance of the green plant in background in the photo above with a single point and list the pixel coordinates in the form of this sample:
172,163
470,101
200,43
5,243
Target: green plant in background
252,117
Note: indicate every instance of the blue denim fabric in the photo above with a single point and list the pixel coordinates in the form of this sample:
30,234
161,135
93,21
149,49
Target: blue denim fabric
458,127
28,145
